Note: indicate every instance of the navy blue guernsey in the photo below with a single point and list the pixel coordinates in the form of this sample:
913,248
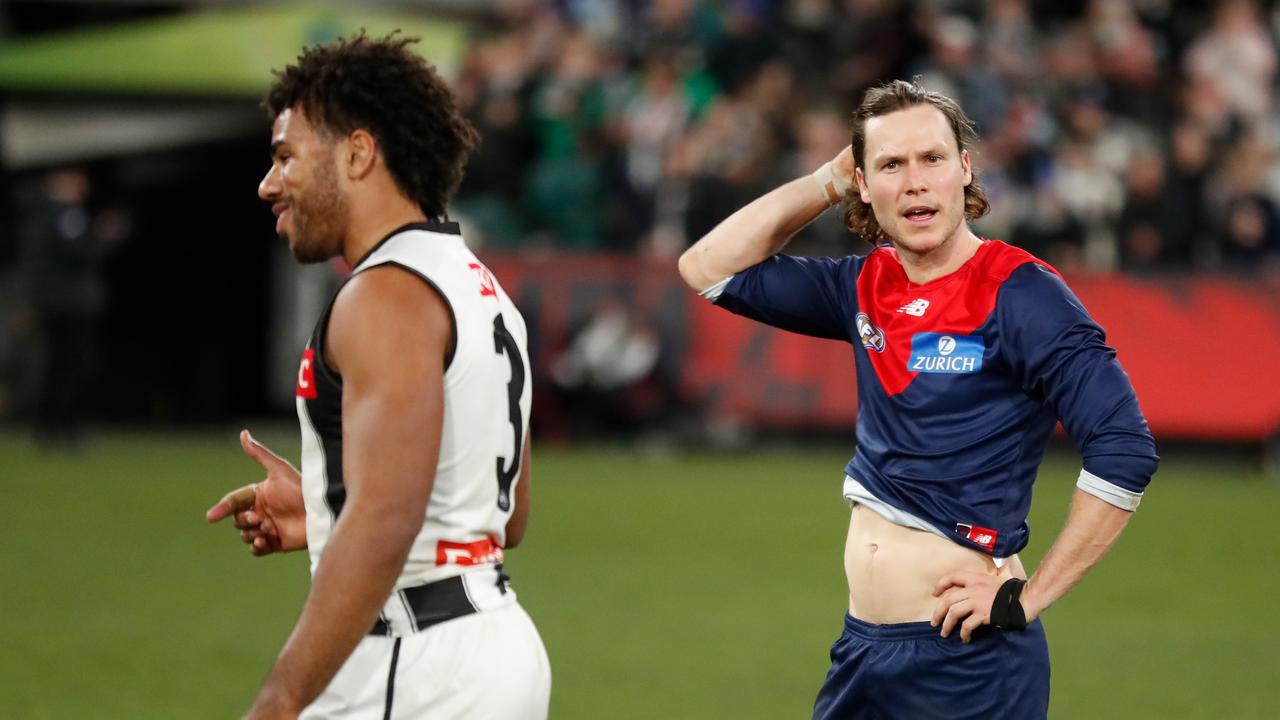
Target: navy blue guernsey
961,381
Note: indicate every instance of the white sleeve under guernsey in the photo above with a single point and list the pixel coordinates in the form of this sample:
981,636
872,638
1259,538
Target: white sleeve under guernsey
1107,492
714,291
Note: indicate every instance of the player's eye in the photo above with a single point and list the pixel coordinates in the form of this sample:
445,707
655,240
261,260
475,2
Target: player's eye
891,165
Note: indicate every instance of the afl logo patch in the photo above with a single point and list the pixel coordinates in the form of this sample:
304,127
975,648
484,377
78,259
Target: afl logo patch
872,337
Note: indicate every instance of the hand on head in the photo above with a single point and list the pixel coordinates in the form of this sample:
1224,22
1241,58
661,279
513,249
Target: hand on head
842,165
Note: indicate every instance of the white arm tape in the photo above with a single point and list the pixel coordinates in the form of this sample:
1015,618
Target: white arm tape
714,291
830,183
1109,493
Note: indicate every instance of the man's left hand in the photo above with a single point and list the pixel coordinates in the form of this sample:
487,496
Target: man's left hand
965,599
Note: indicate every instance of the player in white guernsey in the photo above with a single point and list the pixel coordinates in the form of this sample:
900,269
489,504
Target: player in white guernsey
414,402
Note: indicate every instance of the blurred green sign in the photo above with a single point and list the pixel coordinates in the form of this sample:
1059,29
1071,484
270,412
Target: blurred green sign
228,53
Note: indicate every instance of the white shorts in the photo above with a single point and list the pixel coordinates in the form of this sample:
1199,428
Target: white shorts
488,665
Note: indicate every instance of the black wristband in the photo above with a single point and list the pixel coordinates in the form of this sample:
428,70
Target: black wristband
1006,609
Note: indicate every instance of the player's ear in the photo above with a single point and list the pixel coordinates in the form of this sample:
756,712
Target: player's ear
360,153
967,167
863,192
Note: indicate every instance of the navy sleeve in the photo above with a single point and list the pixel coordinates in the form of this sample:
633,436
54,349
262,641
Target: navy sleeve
1060,356
810,296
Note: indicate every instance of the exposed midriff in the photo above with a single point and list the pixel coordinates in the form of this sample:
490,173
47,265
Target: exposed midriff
892,569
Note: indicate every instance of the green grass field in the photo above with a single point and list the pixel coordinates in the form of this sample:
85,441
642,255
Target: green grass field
687,586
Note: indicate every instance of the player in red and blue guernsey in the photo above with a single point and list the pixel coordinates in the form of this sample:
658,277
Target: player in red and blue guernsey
968,352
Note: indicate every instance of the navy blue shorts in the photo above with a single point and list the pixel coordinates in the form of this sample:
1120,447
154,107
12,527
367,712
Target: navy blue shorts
907,670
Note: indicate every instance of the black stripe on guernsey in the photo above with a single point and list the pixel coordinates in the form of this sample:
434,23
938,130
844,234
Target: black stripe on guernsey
391,679
444,228
325,412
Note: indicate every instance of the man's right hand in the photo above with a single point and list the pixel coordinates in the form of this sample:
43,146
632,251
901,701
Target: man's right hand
269,514
842,165
835,179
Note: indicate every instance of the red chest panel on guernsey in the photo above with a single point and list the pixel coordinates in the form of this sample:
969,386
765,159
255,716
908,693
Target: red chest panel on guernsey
898,310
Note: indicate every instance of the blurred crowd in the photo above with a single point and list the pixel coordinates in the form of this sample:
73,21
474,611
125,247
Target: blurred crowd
1117,134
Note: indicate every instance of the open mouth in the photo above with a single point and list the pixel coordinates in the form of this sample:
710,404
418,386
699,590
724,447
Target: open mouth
920,214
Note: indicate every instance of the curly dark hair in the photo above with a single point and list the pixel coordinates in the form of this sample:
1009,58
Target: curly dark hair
892,97
382,87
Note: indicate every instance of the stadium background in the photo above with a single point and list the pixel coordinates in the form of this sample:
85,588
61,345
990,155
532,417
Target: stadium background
684,554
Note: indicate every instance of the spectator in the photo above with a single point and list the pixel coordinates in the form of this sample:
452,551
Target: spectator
1247,224
653,121
955,67
63,255
606,379
623,126
564,191
493,91
725,157
1190,154
1145,235
1011,40
1237,55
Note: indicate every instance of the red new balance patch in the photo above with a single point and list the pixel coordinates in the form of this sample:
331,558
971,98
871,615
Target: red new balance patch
986,537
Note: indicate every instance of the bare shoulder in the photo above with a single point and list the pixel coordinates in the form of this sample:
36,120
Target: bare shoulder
384,315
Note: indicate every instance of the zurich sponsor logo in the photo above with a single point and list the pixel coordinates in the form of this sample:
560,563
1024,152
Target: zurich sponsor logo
946,354
872,337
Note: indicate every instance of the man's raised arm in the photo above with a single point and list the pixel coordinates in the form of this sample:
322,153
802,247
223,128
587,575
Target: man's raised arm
763,227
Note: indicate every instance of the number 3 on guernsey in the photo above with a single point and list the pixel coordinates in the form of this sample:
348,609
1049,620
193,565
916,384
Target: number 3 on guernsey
503,342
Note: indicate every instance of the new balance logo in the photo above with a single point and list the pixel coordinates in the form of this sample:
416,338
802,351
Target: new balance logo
915,308
986,537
